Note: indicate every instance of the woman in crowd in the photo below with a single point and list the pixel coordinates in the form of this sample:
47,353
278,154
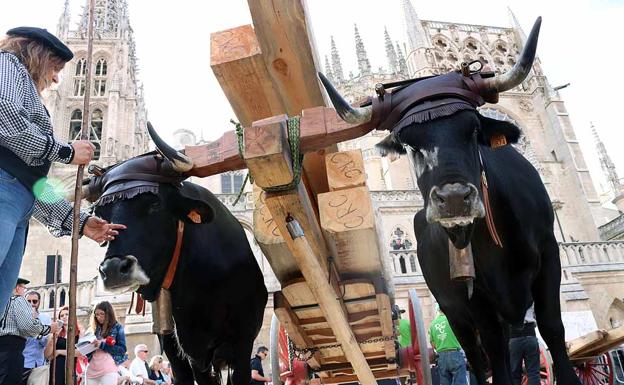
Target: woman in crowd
61,348
156,364
110,343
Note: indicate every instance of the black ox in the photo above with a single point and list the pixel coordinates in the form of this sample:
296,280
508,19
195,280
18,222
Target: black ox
434,120
218,294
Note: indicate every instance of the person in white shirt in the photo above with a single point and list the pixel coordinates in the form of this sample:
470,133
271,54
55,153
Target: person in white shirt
126,377
139,366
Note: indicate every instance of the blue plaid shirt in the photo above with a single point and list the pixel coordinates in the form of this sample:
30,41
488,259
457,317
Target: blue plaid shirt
26,131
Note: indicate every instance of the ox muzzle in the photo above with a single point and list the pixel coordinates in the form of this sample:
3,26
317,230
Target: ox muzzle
454,204
122,274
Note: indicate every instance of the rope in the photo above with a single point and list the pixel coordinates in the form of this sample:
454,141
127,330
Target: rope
294,131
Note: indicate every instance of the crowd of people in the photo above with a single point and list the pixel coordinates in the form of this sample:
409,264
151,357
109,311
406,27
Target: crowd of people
33,347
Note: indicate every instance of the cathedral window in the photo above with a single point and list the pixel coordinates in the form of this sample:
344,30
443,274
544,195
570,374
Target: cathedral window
231,182
79,77
97,122
99,81
75,124
399,240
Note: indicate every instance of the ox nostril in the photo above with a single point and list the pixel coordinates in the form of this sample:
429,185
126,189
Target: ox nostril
125,266
102,273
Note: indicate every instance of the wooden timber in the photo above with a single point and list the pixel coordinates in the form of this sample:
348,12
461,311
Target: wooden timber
345,169
611,339
320,127
271,241
238,65
578,344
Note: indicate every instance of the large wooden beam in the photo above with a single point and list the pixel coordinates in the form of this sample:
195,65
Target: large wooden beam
271,241
283,32
309,252
320,127
236,60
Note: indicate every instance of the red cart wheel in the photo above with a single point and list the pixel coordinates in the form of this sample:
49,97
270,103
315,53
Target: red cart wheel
598,370
419,340
282,369
546,373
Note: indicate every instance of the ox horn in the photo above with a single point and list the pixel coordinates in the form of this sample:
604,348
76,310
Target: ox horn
179,161
349,114
520,70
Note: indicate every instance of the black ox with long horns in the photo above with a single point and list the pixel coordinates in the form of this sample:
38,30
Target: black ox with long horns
180,237
480,196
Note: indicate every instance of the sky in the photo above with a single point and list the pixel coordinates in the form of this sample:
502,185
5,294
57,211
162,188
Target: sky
580,43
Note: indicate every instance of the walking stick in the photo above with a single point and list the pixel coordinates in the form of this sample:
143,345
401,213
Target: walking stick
54,336
73,269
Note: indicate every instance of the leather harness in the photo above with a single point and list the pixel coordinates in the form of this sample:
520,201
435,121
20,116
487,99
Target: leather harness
422,95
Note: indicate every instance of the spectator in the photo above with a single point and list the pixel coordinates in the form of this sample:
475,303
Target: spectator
30,61
58,362
125,376
110,341
35,346
166,372
257,372
156,364
139,366
523,346
18,323
451,361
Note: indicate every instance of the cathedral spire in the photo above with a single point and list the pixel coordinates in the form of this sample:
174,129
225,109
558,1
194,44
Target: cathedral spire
328,71
110,18
336,64
391,53
416,39
360,51
401,60
63,25
606,163
519,32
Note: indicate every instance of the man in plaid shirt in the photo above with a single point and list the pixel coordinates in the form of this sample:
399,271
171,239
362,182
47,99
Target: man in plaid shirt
30,60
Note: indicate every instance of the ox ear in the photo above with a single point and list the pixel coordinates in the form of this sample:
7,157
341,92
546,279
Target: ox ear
191,204
390,145
496,133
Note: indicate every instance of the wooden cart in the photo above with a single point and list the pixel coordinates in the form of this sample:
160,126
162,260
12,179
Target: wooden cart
592,357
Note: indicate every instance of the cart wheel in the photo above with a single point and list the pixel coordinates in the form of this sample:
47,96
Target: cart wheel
598,370
283,371
546,373
419,339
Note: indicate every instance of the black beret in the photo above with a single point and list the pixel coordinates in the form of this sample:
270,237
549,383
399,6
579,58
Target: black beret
45,37
22,281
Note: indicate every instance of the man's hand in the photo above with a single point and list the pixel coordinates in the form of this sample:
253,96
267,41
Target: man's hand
54,328
83,151
100,230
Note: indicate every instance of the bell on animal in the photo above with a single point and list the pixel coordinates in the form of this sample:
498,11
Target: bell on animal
161,313
461,263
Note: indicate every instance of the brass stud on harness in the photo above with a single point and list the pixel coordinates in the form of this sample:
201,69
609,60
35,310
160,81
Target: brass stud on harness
380,90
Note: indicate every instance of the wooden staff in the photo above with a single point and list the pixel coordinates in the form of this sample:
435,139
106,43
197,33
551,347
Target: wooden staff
73,269
54,336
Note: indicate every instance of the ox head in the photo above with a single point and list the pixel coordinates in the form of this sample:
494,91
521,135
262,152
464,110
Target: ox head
435,122
148,195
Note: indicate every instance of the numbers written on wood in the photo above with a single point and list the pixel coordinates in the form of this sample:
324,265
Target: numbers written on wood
345,165
346,213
